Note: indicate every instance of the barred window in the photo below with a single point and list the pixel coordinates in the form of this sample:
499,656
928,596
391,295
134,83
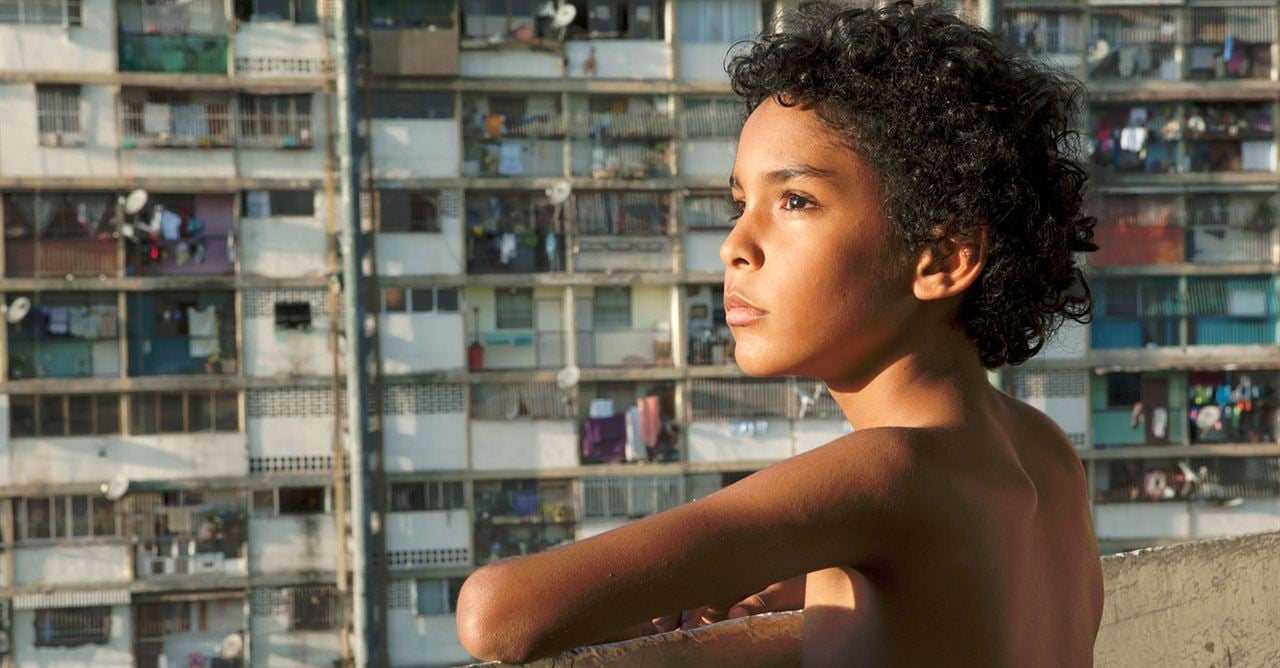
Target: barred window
41,12
72,627
267,203
276,121
514,307
611,308
173,118
58,111
408,211
713,117
64,415
313,608
630,497
434,495
708,212
188,412
66,517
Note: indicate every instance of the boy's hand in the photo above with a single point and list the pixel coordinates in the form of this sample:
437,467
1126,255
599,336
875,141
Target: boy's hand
777,597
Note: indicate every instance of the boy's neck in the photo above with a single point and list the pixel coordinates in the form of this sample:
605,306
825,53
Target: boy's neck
940,382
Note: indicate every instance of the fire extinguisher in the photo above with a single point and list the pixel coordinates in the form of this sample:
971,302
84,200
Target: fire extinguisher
475,352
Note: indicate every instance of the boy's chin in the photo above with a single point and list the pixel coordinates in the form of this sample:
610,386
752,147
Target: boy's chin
761,363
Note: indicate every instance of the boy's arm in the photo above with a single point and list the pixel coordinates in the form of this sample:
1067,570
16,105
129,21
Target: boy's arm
853,502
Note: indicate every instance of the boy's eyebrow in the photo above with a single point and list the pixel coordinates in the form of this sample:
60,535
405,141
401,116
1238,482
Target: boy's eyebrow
791,172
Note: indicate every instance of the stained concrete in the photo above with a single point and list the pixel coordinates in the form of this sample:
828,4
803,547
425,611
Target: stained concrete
1211,603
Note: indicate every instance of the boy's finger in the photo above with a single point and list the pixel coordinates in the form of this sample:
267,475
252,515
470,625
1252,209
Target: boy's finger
667,623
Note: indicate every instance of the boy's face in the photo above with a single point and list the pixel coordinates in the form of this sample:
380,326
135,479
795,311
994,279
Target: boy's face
813,286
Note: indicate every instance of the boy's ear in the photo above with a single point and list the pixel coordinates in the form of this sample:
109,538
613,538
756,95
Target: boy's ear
951,265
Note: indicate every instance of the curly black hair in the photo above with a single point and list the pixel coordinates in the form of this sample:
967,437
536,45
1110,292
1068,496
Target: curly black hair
962,134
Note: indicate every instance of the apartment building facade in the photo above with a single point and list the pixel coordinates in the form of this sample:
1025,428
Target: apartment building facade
546,195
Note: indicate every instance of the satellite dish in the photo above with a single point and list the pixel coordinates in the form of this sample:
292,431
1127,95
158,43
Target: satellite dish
115,488
231,646
1208,417
1098,51
568,377
560,192
135,201
564,16
17,310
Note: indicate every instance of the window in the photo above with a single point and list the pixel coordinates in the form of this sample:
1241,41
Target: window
514,308
64,415
293,315
447,300
393,300
621,213
622,19
47,12
411,13
275,121
424,105
611,308
72,627
408,211
418,496
1123,390
708,212
193,411
58,111
718,21
424,300
176,118
267,203
301,500
312,608
298,11
437,596
712,117
65,517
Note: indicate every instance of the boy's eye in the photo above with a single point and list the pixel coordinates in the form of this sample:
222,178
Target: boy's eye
737,206
797,201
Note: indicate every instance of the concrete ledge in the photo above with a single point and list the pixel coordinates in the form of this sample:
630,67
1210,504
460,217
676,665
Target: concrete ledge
1207,603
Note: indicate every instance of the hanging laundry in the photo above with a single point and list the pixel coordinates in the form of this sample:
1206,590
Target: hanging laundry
156,118
510,159
59,322
1159,421
631,453
203,329
507,248
1133,139
604,439
600,408
650,414
168,223
190,120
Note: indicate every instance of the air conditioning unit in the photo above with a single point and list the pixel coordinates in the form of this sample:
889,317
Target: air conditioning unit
160,565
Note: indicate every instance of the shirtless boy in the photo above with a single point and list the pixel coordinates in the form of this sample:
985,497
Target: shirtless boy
908,214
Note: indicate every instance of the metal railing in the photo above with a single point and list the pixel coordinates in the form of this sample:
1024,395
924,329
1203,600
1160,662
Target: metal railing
624,347
520,348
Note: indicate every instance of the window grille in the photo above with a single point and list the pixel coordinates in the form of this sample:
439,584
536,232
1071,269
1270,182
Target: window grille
313,608
275,121
168,118
631,497
621,213
708,212
1043,384
713,117
716,399
72,627
41,12
536,400
58,109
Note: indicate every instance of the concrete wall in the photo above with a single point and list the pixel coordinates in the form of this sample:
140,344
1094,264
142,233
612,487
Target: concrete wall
1121,521
422,253
20,151
702,250
284,246
65,564
52,48
269,351
292,436
510,65
414,640
406,148
1211,603
189,162
428,530
117,652
291,544
91,459
703,62
432,442
622,59
1070,342
273,645
708,157
498,445
414,342
278,39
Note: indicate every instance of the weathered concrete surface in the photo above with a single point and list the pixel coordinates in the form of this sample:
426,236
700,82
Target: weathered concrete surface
1211,603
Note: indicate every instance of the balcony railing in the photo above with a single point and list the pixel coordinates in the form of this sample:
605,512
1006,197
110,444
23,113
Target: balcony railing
621,161
632,125
624,347
513,157
518,349
185,54
515,253
1134,44
62,257
1208,479
155,120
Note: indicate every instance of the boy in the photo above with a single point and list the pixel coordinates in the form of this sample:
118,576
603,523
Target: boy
907,216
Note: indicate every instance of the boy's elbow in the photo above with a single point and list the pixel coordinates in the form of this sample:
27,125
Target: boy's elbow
487,628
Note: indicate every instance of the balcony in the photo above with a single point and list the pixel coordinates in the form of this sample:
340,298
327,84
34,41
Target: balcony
512,135
1142,140
601,347
185,120
1138,44
413,39
178,333
513,233
1230,42
186,534
60,235
182,235
1172,600
1211,229
517,517
187,38
66,335
1210,311
621,137
1224,481
628,422
187,630
1230,138
622,231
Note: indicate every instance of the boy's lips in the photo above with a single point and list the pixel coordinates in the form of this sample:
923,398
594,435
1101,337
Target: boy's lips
738,312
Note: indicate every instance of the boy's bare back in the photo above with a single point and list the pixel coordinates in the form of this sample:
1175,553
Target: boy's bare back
1000,569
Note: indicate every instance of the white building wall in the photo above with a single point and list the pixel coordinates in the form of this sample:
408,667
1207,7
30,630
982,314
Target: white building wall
1252,516
290,436
291,544
621,59
714,442
811,434
498,445
269,351
1142,520
117,653
283,247
92,459
428,530
273,645
278,40
413,342
296,163
52,48
510,65
217,163
20,151
66,564
416,640
433,442
422,253
703,63
712,158
407,148
702,250
1070,342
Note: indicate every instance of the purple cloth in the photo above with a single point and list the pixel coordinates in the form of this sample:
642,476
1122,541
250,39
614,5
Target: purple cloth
605,439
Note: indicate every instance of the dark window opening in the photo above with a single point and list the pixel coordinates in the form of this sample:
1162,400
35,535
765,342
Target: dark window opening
293,315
